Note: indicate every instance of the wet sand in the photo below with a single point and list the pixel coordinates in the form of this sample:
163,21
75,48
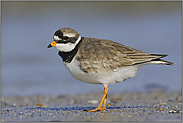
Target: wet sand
142,106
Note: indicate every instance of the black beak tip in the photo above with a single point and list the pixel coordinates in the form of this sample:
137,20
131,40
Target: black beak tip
49,46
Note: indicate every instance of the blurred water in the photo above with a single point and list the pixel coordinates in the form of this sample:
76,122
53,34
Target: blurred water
29,68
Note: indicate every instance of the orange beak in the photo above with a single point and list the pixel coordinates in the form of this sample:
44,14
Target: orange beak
52,44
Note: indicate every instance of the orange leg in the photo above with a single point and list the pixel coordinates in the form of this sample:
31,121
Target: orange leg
104,105
104,99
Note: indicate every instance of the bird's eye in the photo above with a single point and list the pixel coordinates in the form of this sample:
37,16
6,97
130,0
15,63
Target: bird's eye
65,37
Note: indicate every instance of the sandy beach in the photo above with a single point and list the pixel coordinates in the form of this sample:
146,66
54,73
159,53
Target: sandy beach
142,106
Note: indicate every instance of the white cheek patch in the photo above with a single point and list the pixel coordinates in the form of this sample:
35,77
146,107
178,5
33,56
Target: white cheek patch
56,38
68,46
69,35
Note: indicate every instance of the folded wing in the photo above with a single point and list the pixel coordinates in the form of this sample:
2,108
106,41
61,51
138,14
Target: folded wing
107,56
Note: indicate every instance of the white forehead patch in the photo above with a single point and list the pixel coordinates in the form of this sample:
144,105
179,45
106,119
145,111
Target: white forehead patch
69,34
56,38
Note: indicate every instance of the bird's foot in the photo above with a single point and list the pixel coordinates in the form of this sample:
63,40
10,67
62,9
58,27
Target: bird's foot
97,109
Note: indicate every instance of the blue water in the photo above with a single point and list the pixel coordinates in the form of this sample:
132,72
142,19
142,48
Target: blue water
29,68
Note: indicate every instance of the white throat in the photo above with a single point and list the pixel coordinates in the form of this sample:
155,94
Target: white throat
67,47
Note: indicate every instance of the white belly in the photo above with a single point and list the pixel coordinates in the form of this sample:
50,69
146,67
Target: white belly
107,78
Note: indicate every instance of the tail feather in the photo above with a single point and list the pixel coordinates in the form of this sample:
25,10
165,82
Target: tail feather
161,62
156,60
161,55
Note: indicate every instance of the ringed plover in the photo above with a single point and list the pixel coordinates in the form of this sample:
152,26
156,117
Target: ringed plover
100,61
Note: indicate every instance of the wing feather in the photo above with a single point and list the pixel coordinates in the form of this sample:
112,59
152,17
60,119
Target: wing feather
106,56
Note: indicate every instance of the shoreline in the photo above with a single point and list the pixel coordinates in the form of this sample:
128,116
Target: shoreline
142,106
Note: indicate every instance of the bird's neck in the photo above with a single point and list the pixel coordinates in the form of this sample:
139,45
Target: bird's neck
68,56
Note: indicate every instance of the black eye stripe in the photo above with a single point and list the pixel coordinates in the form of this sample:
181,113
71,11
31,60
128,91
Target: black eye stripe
65,37
61,42
69,40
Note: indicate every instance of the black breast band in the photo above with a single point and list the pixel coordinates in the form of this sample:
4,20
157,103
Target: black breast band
68,56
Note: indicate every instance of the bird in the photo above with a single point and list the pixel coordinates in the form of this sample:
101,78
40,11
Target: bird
100,61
